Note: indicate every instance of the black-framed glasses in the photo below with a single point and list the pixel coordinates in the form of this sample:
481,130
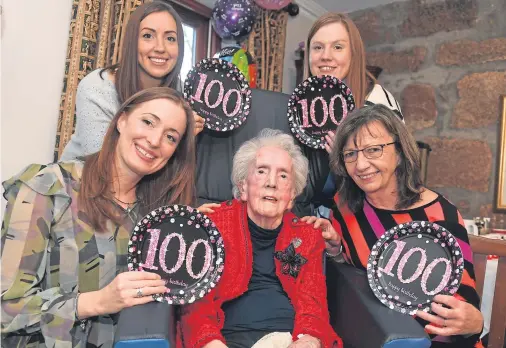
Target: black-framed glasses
370,152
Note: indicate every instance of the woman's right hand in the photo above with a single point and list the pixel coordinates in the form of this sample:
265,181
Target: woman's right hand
329,139
208,208
121,293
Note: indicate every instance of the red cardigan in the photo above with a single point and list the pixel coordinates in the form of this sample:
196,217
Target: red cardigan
202,321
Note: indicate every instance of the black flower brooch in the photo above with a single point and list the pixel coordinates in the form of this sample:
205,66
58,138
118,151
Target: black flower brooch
290,260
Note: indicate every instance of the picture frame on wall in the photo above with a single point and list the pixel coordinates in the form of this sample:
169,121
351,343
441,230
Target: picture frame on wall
500,191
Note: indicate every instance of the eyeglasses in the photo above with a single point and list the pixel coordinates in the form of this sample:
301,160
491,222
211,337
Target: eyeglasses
370,152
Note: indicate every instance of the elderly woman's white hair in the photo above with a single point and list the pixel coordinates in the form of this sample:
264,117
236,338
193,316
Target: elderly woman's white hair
246,155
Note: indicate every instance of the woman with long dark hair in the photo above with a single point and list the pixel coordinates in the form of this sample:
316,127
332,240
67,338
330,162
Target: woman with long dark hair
151,56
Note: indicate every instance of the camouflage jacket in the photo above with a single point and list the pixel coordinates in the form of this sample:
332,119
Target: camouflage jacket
49,253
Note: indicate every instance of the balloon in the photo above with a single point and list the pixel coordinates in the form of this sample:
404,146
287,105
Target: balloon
242,60
273,4
293,9
234,19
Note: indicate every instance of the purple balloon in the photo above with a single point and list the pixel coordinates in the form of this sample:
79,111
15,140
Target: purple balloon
234,19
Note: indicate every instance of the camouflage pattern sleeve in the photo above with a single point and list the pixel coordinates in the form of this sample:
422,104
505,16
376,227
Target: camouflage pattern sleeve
28,308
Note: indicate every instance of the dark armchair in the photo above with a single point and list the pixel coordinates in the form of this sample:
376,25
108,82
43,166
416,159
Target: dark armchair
356,315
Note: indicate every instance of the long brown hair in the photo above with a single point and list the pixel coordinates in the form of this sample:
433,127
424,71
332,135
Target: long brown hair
407,172
358,75
127,76
173,184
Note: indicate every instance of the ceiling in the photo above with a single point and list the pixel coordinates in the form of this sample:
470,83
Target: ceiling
351,5
332,5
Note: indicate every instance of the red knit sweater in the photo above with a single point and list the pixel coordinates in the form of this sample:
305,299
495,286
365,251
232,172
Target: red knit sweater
202,321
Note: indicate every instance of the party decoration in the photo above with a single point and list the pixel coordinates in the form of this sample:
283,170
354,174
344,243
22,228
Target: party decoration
317,106
183,246
273,4
242,60
413,262
218,91
234,19
292,9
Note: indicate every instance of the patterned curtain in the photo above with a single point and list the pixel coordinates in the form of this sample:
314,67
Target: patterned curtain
95,36
266,44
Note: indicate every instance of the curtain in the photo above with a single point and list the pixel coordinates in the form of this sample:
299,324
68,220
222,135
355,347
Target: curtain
266,43
95,36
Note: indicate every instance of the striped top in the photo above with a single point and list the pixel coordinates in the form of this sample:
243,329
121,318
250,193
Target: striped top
361,230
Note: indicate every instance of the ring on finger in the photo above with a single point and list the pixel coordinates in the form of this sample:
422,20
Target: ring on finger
139,293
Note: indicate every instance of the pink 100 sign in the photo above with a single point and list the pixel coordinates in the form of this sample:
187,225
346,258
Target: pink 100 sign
318,105
222,98
413,262
183,255
422,269
183,246
218,92
309,114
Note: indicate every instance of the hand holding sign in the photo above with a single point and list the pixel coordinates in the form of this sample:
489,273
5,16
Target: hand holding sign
183,254
316,107
218,92
183,246
456,317
413,262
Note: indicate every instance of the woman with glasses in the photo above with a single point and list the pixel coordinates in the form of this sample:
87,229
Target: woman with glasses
376,161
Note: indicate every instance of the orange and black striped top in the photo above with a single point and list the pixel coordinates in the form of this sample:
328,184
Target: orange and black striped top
361,230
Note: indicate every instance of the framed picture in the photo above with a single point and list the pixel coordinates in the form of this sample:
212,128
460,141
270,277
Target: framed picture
500,192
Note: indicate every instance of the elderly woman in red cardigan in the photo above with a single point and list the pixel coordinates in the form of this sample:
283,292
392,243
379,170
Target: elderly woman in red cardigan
272,292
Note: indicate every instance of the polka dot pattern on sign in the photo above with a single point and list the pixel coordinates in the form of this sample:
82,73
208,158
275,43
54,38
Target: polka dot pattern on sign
198,86
401,265
188,235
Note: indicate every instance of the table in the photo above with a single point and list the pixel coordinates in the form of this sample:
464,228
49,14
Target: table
489,285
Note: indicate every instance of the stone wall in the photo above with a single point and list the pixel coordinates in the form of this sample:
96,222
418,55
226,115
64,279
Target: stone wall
445,61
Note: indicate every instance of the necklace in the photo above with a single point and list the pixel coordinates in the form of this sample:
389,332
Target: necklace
127,203
130,206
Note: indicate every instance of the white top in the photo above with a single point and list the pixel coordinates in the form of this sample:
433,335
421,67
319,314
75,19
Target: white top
96,105
379,95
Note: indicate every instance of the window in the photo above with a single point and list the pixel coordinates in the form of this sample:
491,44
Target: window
200,40
190,36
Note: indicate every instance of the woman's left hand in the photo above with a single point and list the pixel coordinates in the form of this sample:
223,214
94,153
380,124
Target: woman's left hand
306,341
461,318
207,208
199,123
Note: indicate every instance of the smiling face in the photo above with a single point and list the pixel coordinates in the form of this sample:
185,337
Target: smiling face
373,176
269,188
330,51
149,135
157,45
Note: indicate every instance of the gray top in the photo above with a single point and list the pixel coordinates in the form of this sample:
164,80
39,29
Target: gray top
96,104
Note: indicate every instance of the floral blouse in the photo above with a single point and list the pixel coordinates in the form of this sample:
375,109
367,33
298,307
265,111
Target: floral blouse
50,252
